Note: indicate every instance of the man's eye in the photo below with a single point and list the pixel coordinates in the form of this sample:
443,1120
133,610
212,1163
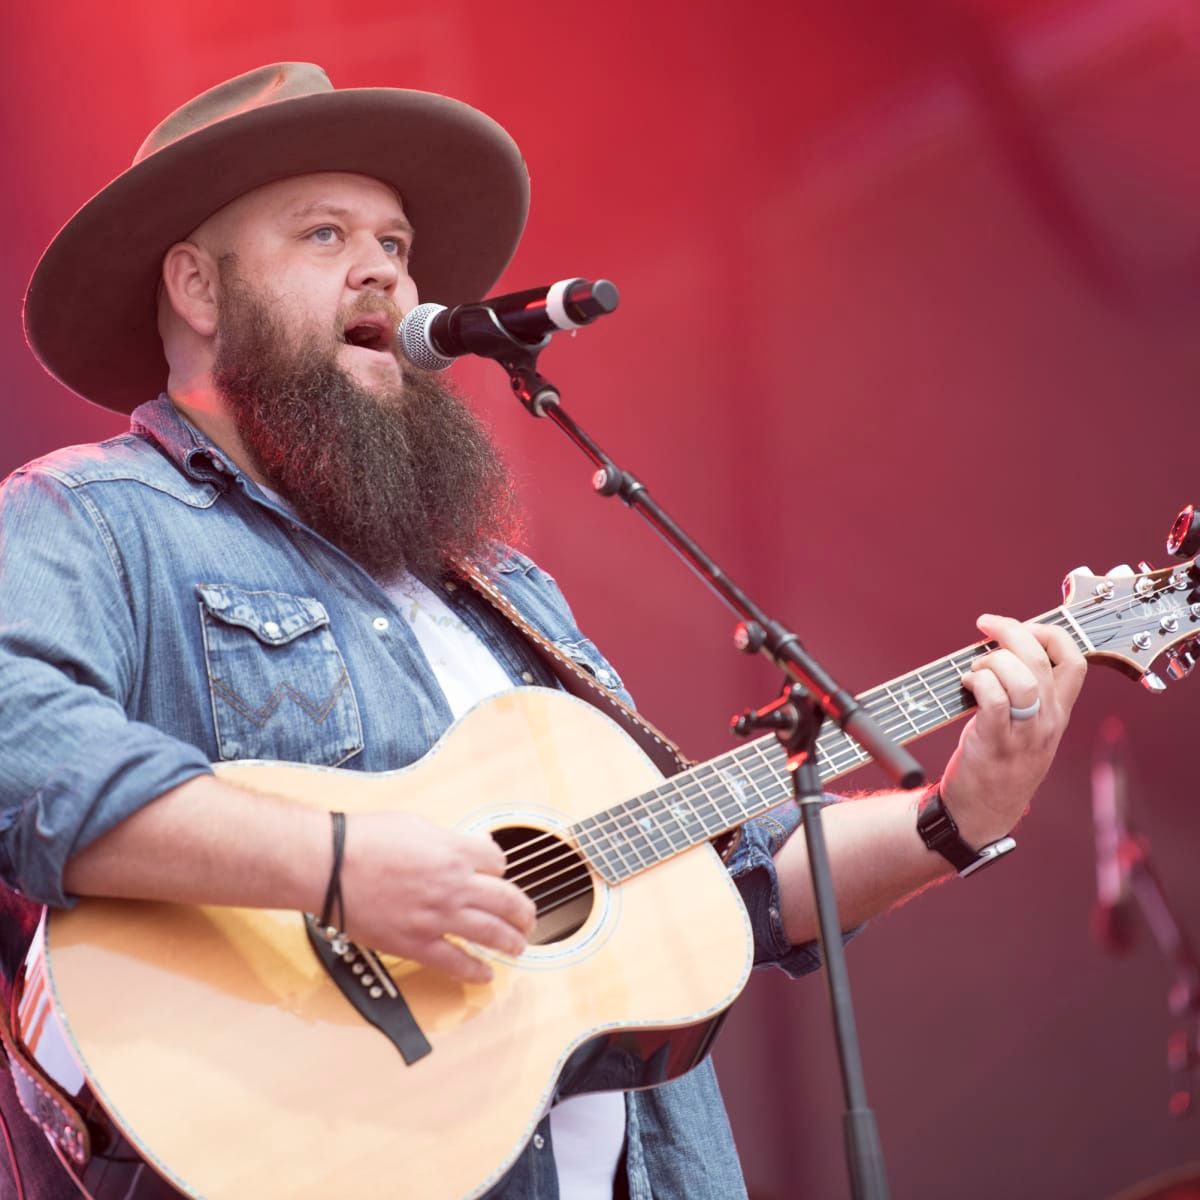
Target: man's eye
325,236
394,246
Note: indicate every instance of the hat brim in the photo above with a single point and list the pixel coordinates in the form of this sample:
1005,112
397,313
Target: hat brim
90,311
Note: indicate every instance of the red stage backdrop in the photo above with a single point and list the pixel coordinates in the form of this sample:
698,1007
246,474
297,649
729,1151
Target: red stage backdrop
908,329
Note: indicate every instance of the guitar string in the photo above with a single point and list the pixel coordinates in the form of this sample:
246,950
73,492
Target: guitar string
932,682
768,770
646,850
579,869
932,677
655,804
707,797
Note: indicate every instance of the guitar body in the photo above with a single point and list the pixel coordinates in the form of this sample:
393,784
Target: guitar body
227,1056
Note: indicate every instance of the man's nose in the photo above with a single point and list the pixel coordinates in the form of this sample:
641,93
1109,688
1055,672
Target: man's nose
372,267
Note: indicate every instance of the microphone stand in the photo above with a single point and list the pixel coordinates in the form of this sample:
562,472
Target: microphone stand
1183,995
810,695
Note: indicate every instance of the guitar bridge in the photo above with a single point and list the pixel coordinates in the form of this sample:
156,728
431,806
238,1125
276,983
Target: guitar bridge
363,979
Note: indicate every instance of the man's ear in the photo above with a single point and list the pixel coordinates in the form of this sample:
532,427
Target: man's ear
190,286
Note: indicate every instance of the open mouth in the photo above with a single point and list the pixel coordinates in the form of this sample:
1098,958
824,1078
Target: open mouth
369,333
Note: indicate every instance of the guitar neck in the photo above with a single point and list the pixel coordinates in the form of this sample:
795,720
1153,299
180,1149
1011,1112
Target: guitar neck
716,796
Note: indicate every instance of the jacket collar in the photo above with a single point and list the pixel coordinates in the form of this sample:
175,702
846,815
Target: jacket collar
196,455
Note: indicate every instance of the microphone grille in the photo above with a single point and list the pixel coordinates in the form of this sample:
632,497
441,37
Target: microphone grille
415,343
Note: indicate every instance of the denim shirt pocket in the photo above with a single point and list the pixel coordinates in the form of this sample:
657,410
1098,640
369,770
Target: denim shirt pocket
277,680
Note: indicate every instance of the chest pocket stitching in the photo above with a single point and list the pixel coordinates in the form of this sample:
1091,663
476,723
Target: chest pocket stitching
261,715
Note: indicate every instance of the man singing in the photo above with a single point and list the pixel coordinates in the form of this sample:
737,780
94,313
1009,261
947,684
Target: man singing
269,565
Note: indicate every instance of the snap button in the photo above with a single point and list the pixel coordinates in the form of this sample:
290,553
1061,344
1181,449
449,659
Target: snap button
270,628
539,1141
527,676
451,586
381,623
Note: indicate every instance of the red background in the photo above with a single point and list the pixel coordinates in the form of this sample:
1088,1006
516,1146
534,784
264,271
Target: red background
909,300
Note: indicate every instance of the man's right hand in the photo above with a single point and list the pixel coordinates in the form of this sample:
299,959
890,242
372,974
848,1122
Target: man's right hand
407,884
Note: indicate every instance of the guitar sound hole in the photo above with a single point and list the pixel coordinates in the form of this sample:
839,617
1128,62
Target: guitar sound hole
552,875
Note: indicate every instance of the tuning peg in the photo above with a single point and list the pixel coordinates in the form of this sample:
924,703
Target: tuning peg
1180,664
1121,572
1153,684
1144,568
1071,577
1182,661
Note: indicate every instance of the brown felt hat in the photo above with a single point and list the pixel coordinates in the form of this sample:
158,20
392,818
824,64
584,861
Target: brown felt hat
90,311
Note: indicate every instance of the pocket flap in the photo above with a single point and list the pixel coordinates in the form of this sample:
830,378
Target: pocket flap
273,617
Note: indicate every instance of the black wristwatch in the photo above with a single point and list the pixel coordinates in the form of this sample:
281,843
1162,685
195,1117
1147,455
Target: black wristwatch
939,832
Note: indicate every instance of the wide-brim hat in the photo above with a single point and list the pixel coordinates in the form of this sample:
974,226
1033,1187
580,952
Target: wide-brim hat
91,311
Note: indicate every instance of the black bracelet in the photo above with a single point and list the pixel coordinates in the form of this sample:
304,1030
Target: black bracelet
333,893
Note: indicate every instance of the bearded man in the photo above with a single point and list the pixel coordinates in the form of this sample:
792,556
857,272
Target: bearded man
274,557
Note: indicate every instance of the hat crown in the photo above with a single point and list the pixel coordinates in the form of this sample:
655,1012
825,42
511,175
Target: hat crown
255,89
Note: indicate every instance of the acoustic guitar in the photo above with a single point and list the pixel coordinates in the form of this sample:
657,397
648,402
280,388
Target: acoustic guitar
232,1059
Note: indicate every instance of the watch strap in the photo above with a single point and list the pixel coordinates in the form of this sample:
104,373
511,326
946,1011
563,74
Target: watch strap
939,832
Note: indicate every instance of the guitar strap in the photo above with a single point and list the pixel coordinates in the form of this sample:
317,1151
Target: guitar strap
47,1106
659,748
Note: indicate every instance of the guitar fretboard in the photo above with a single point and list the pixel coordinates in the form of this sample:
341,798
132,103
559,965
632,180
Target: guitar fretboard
718,795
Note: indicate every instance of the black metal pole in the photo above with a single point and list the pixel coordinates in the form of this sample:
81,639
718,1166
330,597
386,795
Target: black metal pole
821,696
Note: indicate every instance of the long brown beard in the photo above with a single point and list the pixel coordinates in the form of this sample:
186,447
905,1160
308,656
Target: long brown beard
402,478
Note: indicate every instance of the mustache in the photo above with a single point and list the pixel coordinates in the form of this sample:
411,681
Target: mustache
375,318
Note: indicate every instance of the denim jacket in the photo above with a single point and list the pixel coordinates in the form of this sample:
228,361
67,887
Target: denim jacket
159,613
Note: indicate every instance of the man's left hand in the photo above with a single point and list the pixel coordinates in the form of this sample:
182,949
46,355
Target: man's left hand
1001,759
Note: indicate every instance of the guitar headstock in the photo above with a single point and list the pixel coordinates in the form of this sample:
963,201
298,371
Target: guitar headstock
1131,618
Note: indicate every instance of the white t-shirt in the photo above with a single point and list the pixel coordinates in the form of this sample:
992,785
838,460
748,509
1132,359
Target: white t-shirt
587,1131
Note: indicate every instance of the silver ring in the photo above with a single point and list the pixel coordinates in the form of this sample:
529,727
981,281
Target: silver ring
1028,712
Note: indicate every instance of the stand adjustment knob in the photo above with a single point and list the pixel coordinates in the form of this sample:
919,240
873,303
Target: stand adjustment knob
749,637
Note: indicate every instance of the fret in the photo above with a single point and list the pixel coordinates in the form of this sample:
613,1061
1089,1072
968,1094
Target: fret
626,833
618,845
843,752
594,847
759,773
775,771
691,830
661,842
692,792
905,706
712,797
736,804
932,690
1064,620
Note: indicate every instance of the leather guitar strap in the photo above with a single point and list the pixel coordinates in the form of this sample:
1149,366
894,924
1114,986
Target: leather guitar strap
659,748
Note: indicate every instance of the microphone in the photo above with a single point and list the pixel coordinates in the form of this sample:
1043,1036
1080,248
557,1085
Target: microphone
433,336
1112,917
